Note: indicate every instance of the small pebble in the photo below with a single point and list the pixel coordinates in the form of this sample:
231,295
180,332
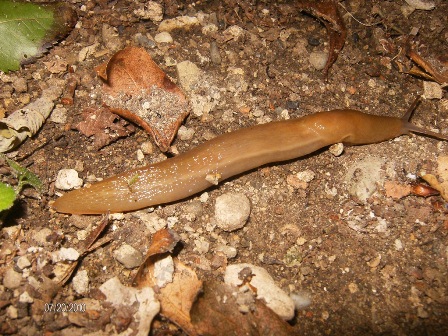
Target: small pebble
147,147
128,256
40,237
306,175
25,298
234,32
150,11
189,74
318,59
229,251
163,37
59,115
11,279
163,271
301,299
232,211
65,254
23,262
80,282
337,149
432,90
263,286
180,22
12,313
185,133
68,179
19,84
140,155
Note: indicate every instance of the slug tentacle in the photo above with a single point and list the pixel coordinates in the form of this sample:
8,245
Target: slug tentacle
231,154
409,127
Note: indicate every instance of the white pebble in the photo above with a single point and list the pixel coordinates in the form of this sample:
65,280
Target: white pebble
80,282
229,251
265,289
301,300
147,147
140,155
232,211
179,22
318,59
23,262
163,271
306,175
150,11
59,115
337,149
128,256
163,37
432,90
65,254
25,298
421,4
68,179
11,312
11,279
185,133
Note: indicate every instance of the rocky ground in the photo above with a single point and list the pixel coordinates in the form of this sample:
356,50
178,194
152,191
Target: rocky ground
359,257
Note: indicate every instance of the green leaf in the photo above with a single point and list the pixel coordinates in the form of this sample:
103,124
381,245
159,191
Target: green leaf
24,176
7,196
28,29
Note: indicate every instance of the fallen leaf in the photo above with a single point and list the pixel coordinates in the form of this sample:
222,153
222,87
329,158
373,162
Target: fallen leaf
138,90
28,30
141,304
176,297
104,125
396,190
162,242
326,11
216,312
25,122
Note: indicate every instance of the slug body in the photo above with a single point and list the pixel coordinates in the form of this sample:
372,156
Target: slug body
228,155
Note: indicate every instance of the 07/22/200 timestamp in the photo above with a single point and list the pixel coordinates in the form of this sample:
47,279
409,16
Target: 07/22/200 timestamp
61,307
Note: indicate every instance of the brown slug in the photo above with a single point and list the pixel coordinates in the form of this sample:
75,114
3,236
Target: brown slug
231,154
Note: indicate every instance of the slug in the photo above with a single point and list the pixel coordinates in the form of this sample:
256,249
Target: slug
231,154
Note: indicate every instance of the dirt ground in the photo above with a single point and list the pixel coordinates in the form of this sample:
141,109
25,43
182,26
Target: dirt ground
371,264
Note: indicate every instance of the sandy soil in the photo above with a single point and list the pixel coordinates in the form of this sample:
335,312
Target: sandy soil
372,265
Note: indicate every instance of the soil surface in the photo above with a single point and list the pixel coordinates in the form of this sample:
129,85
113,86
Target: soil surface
370,263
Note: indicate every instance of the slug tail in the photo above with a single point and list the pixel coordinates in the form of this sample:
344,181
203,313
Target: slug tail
409,127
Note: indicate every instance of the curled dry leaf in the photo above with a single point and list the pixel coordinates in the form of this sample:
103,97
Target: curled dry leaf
138,90
26,121
216,312
424,190
327,12
412,61
105,126
177,297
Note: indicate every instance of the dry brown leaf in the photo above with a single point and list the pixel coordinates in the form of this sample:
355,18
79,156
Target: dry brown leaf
177,297
216,312
327,12
104,125
138,90
162,242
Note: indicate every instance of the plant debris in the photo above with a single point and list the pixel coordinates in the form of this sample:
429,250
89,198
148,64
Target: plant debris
326,11
138,90
104,126
28,30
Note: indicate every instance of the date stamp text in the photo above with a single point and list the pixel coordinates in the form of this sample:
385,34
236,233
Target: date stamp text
62,307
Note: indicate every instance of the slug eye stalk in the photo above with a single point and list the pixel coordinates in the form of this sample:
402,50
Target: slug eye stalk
409,127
